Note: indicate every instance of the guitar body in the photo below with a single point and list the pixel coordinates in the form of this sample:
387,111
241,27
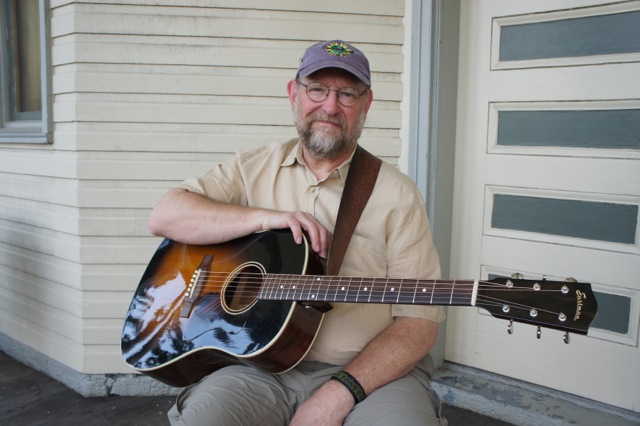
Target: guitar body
181,327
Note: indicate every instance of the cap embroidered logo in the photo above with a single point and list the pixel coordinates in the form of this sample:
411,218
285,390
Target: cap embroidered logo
338,49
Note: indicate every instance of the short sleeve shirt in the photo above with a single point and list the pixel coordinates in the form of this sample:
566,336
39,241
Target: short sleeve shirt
392,238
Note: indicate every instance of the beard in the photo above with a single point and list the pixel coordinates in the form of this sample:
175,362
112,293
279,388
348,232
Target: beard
327,143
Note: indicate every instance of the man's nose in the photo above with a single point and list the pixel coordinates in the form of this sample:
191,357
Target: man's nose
330,104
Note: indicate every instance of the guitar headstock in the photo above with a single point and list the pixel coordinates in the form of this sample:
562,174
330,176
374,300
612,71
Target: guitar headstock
568,306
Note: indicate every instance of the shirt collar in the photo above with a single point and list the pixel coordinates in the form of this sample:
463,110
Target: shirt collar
295,156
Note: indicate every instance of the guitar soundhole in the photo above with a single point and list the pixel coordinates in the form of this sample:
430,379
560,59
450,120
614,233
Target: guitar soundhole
242,287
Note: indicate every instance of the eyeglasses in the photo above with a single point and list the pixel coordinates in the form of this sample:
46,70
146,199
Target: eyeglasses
318,92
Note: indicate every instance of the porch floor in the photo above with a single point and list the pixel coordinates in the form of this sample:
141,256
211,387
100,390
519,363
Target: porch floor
29,397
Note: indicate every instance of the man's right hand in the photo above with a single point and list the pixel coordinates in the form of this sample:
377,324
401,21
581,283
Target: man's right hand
191,218
300,222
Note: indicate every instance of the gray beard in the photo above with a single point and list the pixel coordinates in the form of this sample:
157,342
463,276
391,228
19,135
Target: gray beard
324,144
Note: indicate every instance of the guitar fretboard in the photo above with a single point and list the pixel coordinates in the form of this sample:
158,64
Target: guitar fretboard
321,288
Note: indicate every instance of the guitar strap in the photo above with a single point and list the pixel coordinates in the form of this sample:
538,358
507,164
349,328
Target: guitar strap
361,179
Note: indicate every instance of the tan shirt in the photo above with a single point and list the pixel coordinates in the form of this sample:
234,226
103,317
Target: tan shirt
392,238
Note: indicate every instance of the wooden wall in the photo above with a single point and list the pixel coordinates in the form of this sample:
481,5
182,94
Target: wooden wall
146,93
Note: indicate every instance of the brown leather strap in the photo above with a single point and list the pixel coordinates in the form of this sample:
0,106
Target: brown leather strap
361,179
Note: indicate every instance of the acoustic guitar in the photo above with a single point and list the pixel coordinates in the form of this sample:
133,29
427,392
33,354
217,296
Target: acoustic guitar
260,300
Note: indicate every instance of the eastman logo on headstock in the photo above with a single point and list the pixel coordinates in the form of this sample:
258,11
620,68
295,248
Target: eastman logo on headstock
581,296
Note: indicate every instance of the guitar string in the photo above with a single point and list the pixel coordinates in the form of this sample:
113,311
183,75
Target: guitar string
272,276
446,289
256,283
481,302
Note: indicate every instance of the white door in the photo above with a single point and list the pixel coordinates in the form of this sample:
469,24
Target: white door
547,183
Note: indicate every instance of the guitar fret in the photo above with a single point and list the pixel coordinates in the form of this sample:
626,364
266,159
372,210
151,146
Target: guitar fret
271,288
313,292
440,293
327,286
290,286
345,290
423,288
384,291
268,287
355,299
280,286
424,292
335,293
301,288
405,294
359,288
308,283
265,285
407,291
277,290
390,291
296,287
375,295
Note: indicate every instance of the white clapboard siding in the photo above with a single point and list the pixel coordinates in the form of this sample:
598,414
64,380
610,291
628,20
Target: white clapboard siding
145,94
193,80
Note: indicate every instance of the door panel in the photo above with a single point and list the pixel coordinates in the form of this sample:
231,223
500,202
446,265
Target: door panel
548,184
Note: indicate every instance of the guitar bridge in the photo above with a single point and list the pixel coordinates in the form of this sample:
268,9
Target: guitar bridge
194,288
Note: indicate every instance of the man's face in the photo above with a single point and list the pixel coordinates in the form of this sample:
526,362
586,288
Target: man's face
327,128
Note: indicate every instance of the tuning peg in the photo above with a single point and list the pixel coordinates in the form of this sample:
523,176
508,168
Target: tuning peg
510,327
566,337
517,276
539,332
544,278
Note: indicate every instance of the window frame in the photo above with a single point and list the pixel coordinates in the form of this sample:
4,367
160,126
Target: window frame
37,131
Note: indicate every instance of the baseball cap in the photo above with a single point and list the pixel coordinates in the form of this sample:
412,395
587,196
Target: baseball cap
335,54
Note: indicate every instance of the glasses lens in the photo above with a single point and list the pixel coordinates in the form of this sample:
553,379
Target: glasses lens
317,91
348,96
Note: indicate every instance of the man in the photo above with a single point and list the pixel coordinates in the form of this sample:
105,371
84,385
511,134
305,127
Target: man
369,364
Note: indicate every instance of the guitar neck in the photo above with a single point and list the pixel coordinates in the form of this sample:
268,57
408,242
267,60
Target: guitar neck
323,288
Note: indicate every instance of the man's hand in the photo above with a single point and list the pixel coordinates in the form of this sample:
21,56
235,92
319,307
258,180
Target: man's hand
300,222
328,406
391,355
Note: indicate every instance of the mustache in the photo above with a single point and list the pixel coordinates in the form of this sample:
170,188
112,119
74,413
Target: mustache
338,121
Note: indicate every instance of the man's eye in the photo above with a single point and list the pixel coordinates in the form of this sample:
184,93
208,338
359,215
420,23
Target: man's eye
347,95
316,89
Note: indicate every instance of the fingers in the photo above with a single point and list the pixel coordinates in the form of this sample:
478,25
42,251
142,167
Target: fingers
300,223
319,236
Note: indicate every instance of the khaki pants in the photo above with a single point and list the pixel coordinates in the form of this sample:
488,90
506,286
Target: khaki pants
245,396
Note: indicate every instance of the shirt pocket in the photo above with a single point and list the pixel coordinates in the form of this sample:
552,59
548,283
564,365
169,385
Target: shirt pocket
365,258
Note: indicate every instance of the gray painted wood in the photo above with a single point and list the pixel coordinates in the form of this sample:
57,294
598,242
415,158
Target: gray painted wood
610,129
589,220
614,311
594,35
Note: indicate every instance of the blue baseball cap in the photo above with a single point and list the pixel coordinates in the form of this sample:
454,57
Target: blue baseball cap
335,54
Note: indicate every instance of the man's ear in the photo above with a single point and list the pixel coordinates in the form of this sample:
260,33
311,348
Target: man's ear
369,96
292,90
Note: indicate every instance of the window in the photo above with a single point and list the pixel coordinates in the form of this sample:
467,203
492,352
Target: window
25,104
